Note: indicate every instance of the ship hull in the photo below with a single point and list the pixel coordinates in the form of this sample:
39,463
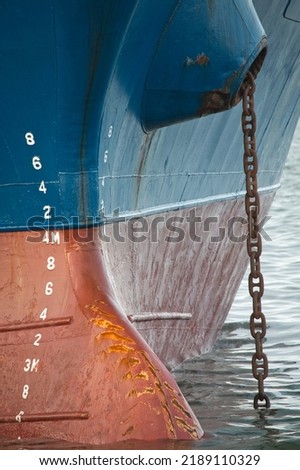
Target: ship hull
72,309
122,222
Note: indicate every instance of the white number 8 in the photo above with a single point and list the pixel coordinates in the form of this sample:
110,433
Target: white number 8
25,391
51,263
29,138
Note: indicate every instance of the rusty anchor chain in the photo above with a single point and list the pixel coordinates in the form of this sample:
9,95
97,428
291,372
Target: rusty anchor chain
254,241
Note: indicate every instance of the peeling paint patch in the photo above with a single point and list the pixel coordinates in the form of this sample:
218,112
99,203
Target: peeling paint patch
120,348
102,323
114,337
138,393
157,394
98,310
128,376
142,375
131,361
146,391
201,59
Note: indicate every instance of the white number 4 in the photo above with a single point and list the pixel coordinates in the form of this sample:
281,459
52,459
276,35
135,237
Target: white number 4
42,187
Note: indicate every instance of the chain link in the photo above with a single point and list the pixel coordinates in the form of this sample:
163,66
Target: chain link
254,242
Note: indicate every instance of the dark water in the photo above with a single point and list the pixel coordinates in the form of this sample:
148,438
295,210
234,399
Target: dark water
219,386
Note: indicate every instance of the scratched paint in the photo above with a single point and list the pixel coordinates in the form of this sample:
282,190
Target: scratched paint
196,270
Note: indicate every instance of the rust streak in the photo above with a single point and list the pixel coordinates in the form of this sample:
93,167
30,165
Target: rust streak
131,408
186,427
201,59
169,386
147,141
169,419
132,393
159,386
181,408
128,430
151,367
131,361
164,401
142,375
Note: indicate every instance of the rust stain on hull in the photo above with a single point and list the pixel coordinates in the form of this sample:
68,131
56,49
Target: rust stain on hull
200,59
98,362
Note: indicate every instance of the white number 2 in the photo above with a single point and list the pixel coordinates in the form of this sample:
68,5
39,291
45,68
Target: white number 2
37,339
47,212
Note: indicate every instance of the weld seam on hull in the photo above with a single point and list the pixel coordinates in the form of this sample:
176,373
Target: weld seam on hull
148,316
187,174
45,417
33,325
184,204
28,183
111,218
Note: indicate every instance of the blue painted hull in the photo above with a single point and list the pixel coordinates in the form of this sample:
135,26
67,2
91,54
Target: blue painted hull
76,148
83,93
